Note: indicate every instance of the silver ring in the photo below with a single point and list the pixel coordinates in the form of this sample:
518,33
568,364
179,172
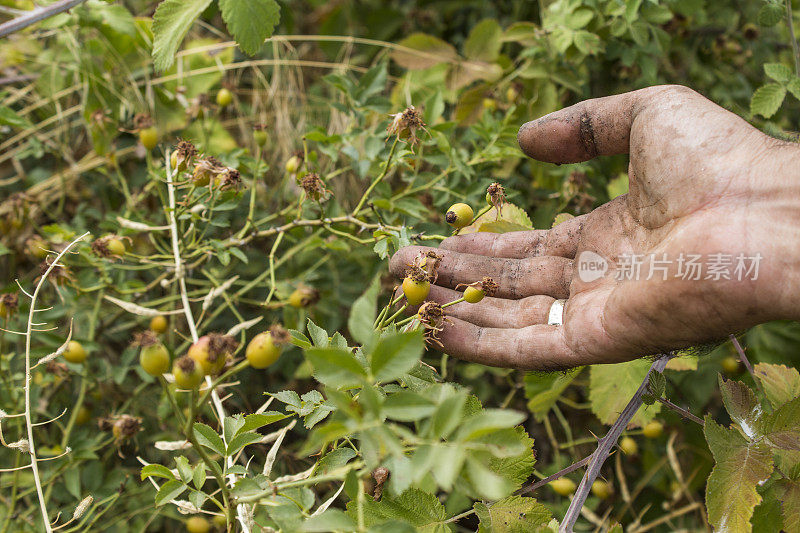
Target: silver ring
556,315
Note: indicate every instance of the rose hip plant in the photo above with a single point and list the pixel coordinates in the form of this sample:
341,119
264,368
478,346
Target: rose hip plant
197,326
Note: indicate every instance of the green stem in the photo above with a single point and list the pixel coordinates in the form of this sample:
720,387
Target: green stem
377,180
454,302
389,320
795,47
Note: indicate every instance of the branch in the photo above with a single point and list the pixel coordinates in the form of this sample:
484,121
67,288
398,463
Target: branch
681,411
561,473
605,445
792,38
37,15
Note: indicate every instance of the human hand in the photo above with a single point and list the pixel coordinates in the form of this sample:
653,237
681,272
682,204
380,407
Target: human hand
701,182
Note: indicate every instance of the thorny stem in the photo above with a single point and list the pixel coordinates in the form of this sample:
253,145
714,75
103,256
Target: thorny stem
605,445
561,473
28,421
681,411
378,179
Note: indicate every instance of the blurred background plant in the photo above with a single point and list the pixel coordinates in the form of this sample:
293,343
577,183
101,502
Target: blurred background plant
292,222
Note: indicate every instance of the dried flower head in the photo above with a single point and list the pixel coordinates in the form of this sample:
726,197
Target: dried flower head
496,196
489,286
59,275
279,334
231,179
105,424
380,475
429,262
206,171
107,247
8,304
314,187
126,426
416,273
142,121
56,368
220,345
431,316
185,153
144,338
308,295
406,124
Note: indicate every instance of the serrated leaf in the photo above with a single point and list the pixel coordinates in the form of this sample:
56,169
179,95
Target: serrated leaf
483,42
778,72
781,384
790,505
156,470
515,514
241,440
794,87
318,335
512,218
335,367
171,22
250,21
742,405
363,314
209,438
407,406
184,469
423,51
770,14
289,397
330,520
199,475
396,354
731,493
611,388
656,383
543,389
231,426
767,99
259,420
420,509
487,421
782,426
335,459
298,339
169,491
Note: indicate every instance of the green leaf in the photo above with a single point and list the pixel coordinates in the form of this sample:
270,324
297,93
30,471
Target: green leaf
767,99
335,459
199,475
419,51
8,117
782,426
448,415
656,384
483,42
420,509
488,421
790,505
794,87
250,21
742,405
231,426
781,384
184,469
156,470
335,367
407,406
778,72
289,397
241,440
169,491
171,22
259,420
611,388
543,389
209,438
318,335
395,354
770,14
731,493
512,218
515,514
363,313
485,481
330,520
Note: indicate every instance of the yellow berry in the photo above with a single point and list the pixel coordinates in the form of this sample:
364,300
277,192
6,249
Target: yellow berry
292,164
210,363
188,374
262,350
563,486
490,104
303,296
473,295
459,215
629,446
197,524
173,162
601,489
653,429
154,359
511,94
731,365
220,521
260,137
148,137
75,352
158,324
83,416
224,98
116,246
415,291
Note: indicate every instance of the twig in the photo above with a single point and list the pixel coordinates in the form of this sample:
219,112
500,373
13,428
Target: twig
681,411
37,15
561,473
604,447
742,356
28,421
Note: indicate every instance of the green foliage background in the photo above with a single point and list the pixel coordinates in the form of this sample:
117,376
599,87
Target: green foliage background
324,86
